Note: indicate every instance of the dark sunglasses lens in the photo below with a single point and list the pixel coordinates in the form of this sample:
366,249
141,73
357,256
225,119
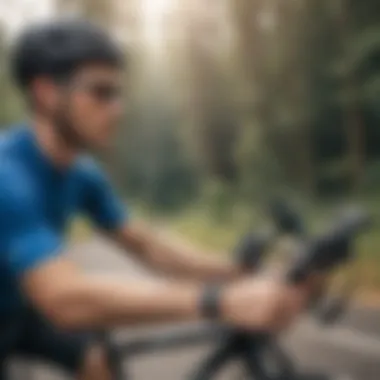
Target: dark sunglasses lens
106,93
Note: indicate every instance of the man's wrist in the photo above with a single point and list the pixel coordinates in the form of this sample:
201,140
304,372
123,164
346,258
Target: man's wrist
210,301
198,301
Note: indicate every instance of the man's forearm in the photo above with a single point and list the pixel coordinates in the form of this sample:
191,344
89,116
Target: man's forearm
96,301
172,256
178,259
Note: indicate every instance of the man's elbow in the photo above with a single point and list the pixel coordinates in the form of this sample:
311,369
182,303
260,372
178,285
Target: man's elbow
59,310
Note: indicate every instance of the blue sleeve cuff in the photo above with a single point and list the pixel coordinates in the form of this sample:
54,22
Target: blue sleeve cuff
111,220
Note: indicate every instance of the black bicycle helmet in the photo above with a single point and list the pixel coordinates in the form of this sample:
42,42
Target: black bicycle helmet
58,48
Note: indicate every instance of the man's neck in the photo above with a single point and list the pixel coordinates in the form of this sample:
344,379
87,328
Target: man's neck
52,145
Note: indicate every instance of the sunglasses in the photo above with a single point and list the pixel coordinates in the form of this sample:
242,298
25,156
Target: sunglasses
101,91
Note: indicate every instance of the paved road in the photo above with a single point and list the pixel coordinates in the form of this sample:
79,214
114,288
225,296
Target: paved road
351,350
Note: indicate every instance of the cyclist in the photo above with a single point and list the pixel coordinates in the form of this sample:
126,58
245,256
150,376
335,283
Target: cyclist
70,75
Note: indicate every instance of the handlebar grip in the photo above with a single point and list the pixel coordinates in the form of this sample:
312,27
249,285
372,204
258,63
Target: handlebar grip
354,221
320,255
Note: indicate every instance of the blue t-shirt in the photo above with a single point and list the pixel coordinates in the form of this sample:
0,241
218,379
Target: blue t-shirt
37,201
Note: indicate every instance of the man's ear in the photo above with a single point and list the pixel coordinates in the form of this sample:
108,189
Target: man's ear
44,93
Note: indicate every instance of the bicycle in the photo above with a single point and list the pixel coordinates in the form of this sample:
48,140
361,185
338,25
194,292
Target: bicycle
318,254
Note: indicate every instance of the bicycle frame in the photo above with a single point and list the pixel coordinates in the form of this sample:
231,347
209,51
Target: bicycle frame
182,336
193,335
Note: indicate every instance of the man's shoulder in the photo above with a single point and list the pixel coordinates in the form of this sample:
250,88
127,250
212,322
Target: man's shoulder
16,192
11,140
8,136
15,182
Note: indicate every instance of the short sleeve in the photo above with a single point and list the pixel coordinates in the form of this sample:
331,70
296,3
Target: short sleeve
101,203
29,240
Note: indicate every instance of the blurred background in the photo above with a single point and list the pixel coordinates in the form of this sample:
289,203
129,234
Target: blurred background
230,103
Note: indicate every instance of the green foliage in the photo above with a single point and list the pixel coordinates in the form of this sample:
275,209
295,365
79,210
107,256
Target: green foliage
10,106
371,180
289,105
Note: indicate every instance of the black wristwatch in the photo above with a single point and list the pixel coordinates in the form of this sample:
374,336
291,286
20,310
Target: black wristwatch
210,302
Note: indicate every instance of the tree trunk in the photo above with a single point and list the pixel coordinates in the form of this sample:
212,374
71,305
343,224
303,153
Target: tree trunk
353,121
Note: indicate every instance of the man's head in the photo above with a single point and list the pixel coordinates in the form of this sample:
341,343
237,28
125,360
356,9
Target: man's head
71,73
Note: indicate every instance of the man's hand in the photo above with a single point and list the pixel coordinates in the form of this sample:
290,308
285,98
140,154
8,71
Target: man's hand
262,304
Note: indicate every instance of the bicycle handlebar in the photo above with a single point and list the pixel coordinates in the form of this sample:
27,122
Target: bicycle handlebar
319,254
324,252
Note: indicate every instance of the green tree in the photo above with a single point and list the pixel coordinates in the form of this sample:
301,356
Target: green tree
10,107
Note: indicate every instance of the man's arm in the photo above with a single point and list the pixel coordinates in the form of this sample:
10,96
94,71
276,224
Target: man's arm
169,255
160,252
73,300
